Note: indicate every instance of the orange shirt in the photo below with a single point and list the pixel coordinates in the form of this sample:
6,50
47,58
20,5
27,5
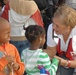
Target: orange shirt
11,50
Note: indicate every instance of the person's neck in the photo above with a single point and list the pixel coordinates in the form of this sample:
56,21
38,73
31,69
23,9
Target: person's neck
34,47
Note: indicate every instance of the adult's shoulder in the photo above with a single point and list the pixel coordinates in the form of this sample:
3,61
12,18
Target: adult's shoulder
50,26
74,43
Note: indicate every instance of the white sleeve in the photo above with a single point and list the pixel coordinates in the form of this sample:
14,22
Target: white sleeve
74,43
50,40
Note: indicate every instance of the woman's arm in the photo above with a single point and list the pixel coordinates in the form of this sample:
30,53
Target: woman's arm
51,51
51,44
63,62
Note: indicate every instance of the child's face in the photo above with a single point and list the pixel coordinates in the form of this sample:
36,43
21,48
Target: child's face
5,33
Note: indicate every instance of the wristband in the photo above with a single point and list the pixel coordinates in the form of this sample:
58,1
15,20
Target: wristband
68,64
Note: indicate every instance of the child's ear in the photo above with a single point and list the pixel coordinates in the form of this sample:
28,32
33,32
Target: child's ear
40,39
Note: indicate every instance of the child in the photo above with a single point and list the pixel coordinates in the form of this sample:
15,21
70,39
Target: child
33,56
10,63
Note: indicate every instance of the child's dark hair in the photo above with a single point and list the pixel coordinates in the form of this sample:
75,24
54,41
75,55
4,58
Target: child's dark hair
33,32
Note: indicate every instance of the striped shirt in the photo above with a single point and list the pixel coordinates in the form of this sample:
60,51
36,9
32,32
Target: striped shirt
33,58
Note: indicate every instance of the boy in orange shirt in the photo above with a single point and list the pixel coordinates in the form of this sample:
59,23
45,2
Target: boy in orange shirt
10,63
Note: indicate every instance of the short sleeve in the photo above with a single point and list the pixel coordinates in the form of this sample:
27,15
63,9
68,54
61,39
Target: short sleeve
50,40
74,43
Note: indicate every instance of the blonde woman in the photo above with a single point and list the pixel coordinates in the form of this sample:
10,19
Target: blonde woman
64,25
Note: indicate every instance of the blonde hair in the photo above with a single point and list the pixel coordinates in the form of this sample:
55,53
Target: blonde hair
67,15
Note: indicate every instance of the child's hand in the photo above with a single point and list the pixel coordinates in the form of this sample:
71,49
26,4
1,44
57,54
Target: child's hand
10,58
15,66
1,73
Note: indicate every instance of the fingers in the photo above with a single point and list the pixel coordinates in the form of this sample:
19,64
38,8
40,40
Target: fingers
10,58
15,66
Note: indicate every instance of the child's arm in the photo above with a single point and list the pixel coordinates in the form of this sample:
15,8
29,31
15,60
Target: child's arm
54,66
3,63
5,59
51,67
18,62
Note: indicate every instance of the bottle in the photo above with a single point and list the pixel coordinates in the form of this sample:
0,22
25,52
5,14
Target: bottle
42,70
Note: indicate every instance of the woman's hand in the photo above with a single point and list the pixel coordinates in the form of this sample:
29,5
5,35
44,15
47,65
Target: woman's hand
62,61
